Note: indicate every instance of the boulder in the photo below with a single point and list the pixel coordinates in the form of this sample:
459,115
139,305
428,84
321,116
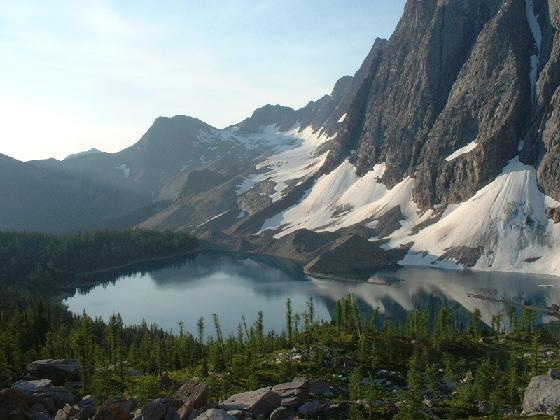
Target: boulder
299,387
185,410
17,404
215,414
280,413
87,400
55,397
195,392
259,403
542,396
238,414
75,412
57,370
291,402
159,409
116,410
320,389
312,408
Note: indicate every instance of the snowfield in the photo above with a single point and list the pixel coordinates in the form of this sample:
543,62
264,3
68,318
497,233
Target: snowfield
506,218
292,165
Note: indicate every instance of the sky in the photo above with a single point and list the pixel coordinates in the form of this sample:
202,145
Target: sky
96,73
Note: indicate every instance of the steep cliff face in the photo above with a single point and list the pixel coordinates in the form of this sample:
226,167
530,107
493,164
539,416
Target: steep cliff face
411,82
487,107
454,128
546,126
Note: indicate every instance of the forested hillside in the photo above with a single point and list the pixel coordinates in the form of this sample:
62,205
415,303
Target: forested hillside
43,261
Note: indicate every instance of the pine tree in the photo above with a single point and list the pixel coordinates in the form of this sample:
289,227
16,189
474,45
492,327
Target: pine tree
220,363
289,321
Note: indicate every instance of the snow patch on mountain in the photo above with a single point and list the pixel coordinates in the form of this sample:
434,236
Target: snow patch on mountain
463,150
537,37
341,199
505,222
292,165
506,218
342,118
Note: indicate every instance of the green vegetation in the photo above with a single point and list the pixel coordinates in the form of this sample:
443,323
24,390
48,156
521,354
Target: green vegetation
40,261
378,367
453,367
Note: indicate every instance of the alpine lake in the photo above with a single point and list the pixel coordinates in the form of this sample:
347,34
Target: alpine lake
238,287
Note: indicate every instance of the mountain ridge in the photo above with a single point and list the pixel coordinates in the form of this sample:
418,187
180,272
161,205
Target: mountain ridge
441,150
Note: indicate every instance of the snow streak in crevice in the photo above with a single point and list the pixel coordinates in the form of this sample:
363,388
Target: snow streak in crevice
537,37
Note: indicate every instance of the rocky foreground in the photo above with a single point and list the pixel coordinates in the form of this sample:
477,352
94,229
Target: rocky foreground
42,399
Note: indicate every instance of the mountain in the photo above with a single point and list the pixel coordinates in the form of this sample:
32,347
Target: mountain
441,150
445,148
91,151
36,198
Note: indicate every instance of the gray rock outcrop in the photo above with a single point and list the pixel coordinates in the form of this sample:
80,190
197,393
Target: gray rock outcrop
542,395
259,403
57,370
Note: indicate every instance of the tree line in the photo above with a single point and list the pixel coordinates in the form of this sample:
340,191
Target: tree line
42,261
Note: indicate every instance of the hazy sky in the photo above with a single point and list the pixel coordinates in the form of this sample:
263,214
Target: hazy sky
82,74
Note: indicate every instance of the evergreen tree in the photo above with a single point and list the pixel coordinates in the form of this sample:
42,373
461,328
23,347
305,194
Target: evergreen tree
289,321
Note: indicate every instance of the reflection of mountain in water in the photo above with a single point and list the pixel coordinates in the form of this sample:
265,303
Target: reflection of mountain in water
270,281
233,285
419,288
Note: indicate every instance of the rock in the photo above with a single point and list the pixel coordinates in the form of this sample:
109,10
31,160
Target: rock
215,414
17,404
312,408
68,412
291,402
299,387
238,414
542,395
75,412
87,400
185,410
260,402
195,392
55,397
116,410
320,389
30,387
553,214
280,413
58,370
160,409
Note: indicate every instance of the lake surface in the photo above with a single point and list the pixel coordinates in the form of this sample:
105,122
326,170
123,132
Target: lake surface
232,287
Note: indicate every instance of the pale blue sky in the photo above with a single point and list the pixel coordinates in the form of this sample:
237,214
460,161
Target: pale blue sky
81,74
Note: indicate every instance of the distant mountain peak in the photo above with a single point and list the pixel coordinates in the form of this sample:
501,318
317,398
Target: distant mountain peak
91,151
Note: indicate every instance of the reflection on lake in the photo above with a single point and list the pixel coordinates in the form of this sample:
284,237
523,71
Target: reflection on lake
233,287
